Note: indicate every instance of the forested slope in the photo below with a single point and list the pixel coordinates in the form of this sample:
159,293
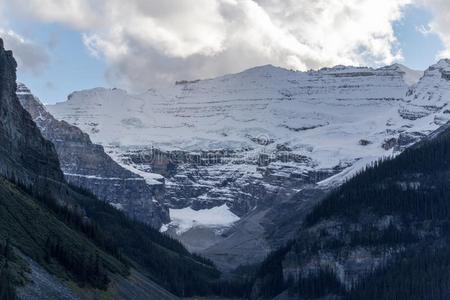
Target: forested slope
384,234
67,231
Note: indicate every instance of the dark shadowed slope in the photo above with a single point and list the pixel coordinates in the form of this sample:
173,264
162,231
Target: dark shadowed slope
384,234
85,243
88,166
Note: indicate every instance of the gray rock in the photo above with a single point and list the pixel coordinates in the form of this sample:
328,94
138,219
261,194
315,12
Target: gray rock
25,156
28,158
86,165
44,286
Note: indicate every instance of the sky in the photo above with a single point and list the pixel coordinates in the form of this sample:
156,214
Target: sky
66,45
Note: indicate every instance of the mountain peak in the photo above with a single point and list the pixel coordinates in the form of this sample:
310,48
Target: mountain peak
410,76
264,70
400,67
24,94
29,157
95,92
340,68
22,89
266,67
442,63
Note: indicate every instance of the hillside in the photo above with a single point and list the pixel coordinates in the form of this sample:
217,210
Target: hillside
86,165
381,235
251,141
59,233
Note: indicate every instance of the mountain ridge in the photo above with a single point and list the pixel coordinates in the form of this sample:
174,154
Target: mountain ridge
250,139
86,165
26,155
374,236
56,233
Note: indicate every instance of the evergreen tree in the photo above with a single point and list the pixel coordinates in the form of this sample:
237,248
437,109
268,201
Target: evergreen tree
7,289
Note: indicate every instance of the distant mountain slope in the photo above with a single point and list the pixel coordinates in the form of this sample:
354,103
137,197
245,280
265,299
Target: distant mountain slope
40,217
384,234
411,77
254,139
430,96
87,165
230,111
227,112
85,244
239,138
24,154
31,228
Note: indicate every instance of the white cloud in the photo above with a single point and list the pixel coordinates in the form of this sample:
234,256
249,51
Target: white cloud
440,23
146,42
30,57
424,30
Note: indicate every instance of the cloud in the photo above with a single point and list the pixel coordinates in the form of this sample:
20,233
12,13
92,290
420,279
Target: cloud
440,23
424,30
31,57
149,42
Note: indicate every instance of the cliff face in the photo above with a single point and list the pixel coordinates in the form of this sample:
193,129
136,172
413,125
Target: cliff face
25,156
251,140
28,156
374,233
88,166
241,138
81,226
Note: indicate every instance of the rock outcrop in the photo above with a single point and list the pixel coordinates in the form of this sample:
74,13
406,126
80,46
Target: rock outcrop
241,138
87,165
254,139
40,212
26,156
221,140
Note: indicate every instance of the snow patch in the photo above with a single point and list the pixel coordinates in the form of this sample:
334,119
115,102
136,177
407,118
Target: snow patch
186,218
102,178
117,206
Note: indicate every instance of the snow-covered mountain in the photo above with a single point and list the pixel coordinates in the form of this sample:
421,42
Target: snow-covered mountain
246,139
227,112
431,94
86,165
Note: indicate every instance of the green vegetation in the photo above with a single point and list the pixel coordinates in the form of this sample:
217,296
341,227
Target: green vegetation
411,190
414,185
7,278
85,240
40,234
7,289
270,273
85,269
416,275
164,259
318,285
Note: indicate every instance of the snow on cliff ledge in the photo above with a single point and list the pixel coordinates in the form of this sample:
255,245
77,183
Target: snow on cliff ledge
320,114
326,120
187,218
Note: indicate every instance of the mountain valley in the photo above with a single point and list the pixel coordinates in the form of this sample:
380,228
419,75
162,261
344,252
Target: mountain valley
267,143
246,169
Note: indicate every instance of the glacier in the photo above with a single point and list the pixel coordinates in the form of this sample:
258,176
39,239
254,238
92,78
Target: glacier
249,139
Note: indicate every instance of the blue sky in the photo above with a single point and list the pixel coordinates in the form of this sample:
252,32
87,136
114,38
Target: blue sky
72,67
419,50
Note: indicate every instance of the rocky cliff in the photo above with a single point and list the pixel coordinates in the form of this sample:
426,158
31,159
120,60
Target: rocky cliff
254,139
60,240
87,165
25,155
374,237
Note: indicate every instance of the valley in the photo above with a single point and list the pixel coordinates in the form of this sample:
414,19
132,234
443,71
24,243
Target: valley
224,150
266,143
